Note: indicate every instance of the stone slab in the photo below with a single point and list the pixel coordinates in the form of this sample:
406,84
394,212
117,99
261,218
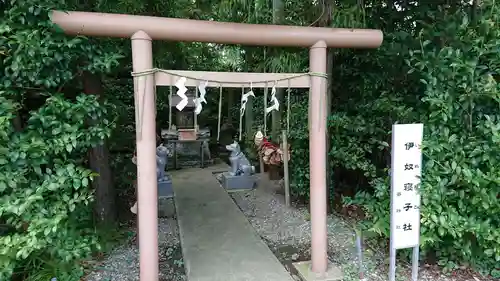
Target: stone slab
218,242
238,182
334,273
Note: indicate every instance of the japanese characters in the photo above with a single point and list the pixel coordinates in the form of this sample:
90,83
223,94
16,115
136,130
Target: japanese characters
405,182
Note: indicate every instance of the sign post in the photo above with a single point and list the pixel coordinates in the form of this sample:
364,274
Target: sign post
406,162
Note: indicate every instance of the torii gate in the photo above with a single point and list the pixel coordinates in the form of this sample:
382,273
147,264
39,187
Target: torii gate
142,30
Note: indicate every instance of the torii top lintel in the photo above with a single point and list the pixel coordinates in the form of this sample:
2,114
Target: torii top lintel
185,30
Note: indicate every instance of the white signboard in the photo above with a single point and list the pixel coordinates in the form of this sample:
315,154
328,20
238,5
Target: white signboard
405,197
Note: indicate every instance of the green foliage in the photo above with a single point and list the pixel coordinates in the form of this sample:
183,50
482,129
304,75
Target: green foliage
462,139
457,67
436,67
298,138
45,133
42,184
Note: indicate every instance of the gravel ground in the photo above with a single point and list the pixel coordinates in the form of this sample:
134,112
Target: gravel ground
122,264
287,232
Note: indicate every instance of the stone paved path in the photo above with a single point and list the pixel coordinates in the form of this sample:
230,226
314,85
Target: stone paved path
218,242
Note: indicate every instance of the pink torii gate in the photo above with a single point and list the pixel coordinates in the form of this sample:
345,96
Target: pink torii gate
142,30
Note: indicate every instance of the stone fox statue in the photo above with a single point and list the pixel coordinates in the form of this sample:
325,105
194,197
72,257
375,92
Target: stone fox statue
161,161
239,163
162,154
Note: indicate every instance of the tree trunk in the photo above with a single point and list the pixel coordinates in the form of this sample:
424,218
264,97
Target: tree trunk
473,13
278,18
104,205
17,123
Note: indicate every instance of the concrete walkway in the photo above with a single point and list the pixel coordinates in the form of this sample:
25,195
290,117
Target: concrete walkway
218,242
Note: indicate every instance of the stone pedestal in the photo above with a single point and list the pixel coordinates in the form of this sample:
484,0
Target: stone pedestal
333,273
233,183
166,207
165,189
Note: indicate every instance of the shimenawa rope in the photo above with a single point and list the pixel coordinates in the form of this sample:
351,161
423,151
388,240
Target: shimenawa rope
139,112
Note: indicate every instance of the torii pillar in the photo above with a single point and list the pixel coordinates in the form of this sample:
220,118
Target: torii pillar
142,30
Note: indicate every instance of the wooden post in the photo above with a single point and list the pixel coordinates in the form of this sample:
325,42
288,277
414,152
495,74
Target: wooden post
317,158
261,162
285,168
147,186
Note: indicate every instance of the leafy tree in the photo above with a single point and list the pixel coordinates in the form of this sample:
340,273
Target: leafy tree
456,64
46,130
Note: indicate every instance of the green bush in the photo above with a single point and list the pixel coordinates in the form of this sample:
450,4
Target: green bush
458,65
445,75
46,130
43,187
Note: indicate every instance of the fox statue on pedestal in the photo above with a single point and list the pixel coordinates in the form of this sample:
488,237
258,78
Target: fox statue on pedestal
240,166
161,162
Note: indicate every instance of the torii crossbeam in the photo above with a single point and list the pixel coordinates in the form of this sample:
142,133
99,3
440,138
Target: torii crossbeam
142,30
